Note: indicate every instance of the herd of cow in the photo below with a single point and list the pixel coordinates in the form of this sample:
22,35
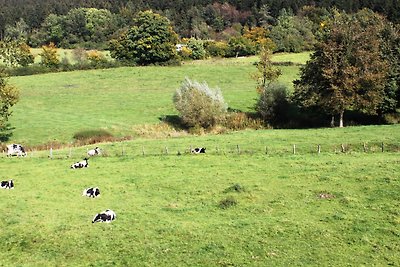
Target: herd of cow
105,216
93,192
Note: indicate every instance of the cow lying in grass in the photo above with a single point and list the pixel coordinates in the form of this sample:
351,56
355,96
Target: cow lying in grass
7,184
15,150
198,150
91,192
81,164
93,152
106,216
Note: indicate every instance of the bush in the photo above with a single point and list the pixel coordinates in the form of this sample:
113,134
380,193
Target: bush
49,56
197,48
95,57
273,103
185,53
216,49
93,136
240,121
240,46
198,105
79,55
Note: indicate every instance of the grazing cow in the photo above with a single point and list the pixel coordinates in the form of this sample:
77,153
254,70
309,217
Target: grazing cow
15,150
106,216
7,184
81,164
91,192
198,150
93,152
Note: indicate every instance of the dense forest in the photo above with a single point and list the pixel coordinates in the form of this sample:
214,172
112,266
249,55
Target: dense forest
184,14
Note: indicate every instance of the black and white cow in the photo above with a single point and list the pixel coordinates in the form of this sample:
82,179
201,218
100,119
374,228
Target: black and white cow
91,192
7,184
93,152
81,164
106,216
15,150
198,150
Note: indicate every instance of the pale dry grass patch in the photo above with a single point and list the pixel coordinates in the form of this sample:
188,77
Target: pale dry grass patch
157,131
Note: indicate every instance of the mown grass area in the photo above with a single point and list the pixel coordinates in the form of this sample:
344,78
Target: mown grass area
55,106
169,214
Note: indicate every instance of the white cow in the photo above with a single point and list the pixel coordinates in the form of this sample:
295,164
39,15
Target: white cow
15,150
93,152
198,150
106,216
91,192
7,184
80,164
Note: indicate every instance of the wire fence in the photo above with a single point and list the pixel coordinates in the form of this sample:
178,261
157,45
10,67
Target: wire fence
134,150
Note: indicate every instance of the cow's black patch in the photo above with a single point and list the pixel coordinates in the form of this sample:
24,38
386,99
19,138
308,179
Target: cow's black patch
7,184
199,150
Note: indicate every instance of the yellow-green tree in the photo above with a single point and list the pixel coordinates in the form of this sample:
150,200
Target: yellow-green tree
49,56
15,53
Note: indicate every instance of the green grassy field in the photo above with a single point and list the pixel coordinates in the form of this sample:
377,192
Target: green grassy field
249,201
169,214
55,106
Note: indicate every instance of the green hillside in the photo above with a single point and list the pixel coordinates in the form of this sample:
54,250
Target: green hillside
55,106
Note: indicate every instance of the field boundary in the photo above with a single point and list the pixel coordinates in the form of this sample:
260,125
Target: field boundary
124,150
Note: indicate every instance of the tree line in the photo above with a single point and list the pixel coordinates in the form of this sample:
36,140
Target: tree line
188,17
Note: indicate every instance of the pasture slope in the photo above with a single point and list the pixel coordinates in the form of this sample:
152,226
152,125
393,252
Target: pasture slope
173,209
249,201
53,107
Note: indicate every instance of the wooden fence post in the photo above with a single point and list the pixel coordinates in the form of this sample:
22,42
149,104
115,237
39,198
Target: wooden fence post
342,146
294,149
51,153
238,149
383,147
319,149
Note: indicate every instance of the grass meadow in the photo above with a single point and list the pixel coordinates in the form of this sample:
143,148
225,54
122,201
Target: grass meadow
175,210
55,106
249,201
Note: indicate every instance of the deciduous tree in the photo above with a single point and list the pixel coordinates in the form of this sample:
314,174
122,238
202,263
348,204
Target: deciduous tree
9,96
346,71
15,53
151,40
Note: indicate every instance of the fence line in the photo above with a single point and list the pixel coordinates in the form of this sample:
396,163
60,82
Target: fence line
239,149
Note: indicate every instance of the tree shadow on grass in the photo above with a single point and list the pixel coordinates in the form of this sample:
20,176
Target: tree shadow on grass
174,121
